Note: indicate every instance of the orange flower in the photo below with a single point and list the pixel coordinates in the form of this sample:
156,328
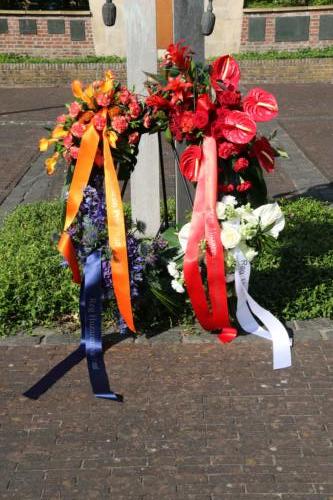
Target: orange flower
114,111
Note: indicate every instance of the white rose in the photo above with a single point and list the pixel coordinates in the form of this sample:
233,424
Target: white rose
183,235
220,210
271,218
229,200
177,286
172,269
230,236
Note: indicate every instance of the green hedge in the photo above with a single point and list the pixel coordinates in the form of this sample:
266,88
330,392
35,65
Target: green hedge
284,3
294,279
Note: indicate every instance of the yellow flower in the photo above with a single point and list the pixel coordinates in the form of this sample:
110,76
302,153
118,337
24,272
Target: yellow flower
59,132
44,144
50,163
112,136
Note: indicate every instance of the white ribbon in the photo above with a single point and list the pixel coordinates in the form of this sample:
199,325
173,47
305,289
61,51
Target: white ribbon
247,307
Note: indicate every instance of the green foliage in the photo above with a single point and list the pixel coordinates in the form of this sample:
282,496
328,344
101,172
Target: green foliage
294,278
22,58
34,287
257,4
296,54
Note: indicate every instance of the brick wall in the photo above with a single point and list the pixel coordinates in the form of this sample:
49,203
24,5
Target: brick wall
45,34
287,29
253,72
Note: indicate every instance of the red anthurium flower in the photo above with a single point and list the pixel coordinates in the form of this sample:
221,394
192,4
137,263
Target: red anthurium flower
226,70
229,98
239,127
260,105
190,163
204,103
264,153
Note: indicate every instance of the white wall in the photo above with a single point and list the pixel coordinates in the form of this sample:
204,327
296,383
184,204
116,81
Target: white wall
225,38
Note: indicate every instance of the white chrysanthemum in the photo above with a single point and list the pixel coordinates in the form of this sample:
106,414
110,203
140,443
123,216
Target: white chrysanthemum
172,270
183,236
177,286
271,218
230,236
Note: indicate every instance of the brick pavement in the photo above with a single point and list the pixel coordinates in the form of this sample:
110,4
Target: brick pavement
199,421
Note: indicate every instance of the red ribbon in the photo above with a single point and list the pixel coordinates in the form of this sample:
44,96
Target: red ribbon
205,230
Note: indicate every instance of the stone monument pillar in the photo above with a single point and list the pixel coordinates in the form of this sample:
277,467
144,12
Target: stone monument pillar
141,51
187,16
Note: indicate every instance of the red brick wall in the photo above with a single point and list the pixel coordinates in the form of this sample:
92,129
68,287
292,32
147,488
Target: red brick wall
271,14
43,43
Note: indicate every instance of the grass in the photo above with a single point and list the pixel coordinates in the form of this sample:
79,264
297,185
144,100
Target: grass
293,279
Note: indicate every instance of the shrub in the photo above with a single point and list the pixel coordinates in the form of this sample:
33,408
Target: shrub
34,287
293,279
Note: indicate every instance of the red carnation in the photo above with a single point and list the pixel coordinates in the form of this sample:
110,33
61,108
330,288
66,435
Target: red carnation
134,109
190,163
103,100
260,105
226,188
119,124
241,164
201,119
227,149
187,121
124,95
217,129
239,127
226,71
245,186
264,153
147,121
133,138
174,124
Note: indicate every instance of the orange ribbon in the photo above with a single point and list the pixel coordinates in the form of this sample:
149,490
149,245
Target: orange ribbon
115,219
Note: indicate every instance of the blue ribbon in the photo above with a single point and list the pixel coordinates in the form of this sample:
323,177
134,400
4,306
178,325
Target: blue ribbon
91,326
91,345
